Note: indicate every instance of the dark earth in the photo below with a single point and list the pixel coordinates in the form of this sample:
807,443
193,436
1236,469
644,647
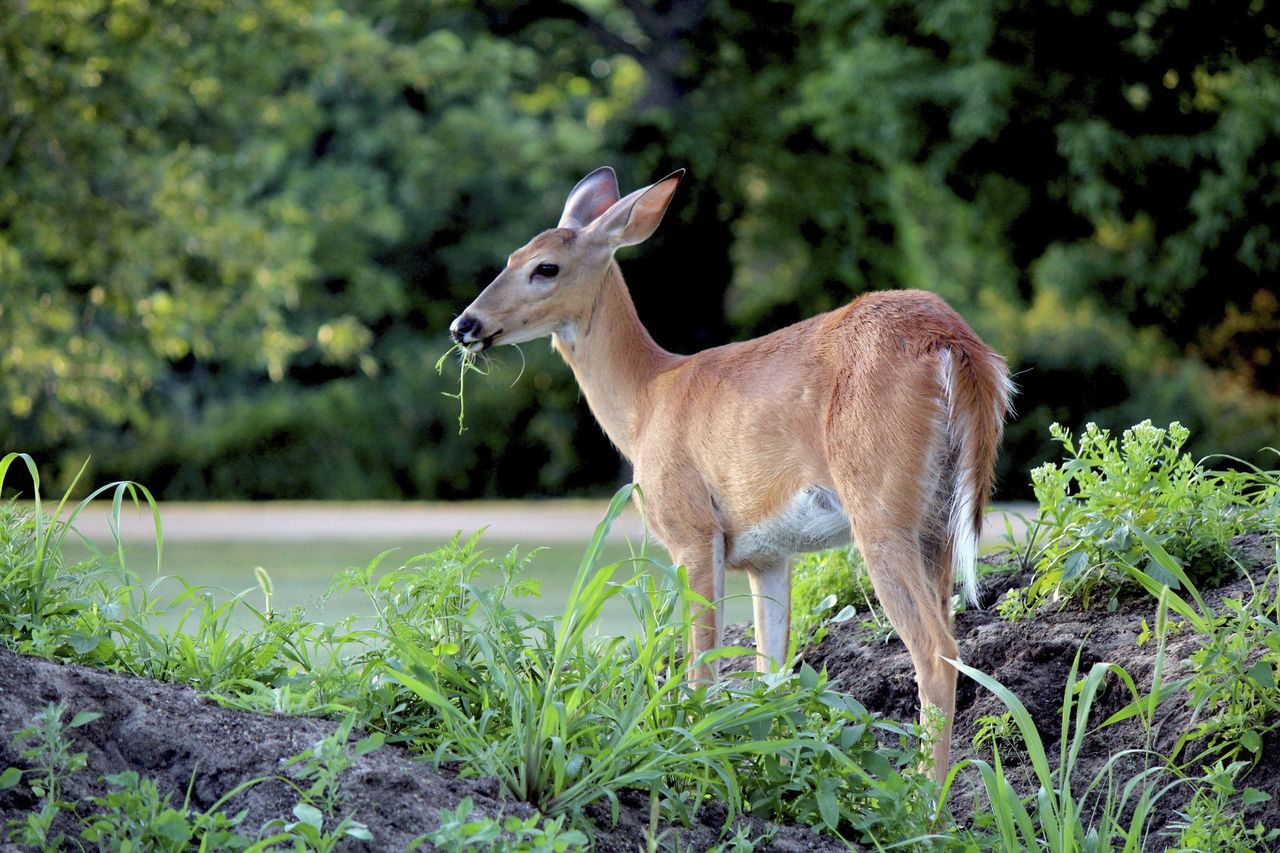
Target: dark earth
172,734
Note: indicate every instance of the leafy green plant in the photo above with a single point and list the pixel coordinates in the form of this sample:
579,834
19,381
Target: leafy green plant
1115,810
43,603
307,831
1026,547
1214,819
995,733
460,832
53,761
467,363
133,815
1234,670
832,586
1091,503
323,763
563,718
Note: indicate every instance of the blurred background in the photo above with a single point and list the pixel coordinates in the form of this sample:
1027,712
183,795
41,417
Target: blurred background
233,232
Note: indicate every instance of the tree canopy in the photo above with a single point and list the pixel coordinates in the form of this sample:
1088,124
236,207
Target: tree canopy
233,232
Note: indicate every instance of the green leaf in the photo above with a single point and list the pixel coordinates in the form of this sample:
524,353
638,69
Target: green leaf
309,814
828,807
10,777
368,744
1075,565
846,613
82,644
851,735
1262,673
1251,741
359,831
1252,796
83,719
173,826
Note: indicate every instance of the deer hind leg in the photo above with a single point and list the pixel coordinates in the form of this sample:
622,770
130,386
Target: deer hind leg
771,601
896,511
910,600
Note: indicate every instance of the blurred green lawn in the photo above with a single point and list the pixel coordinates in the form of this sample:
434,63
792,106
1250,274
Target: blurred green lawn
301,572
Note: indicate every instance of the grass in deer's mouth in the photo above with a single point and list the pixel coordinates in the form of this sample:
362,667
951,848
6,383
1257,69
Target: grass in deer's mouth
467,362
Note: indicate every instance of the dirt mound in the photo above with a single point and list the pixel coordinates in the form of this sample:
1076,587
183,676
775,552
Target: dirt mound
172,734
1033,659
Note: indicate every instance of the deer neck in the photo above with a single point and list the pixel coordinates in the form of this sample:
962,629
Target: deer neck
614,359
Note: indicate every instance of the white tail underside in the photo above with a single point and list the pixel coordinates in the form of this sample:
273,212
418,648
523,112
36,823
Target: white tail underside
962,531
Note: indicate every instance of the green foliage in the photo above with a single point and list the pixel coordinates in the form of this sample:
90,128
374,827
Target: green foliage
564,718
1117,806
229,233
47,608
459,832
1231,687
53,761
1214,819
466,364
1091,503
1235,675
1234,669
134,815
323,763
218,206
836,583
307,831
561,717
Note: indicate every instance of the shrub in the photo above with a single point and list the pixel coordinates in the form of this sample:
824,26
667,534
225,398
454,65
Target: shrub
1091,503
831,586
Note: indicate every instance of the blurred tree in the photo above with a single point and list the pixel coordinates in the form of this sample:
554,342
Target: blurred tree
233,232
209,211
1083,169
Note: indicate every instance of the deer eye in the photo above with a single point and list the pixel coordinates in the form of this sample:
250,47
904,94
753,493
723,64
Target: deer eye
546,270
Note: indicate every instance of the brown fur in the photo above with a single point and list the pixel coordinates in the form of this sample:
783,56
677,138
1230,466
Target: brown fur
721,440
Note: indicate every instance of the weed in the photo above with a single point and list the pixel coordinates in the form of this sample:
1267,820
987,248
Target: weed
1054,819
832,582
565,719
1214,818
323,763
1234,670
133,815
1091,503
460,832
995,732
53,762
467,362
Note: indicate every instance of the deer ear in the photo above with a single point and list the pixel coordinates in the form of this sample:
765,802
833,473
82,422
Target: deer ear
634,219
593,195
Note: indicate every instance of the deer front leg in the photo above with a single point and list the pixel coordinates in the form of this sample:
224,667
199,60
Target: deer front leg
705,564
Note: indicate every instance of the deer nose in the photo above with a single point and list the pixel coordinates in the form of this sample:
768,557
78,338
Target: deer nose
465,329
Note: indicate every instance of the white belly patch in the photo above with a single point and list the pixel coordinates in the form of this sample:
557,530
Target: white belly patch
814,520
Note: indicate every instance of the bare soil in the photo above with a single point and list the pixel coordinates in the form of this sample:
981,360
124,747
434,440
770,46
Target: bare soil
171,733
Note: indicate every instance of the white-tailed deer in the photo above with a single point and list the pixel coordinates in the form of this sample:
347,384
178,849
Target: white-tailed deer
880,421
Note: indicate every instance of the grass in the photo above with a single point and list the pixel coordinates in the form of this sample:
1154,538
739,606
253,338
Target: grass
562,714
456,658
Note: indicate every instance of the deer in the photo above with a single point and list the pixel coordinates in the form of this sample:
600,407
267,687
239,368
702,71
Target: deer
877,423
